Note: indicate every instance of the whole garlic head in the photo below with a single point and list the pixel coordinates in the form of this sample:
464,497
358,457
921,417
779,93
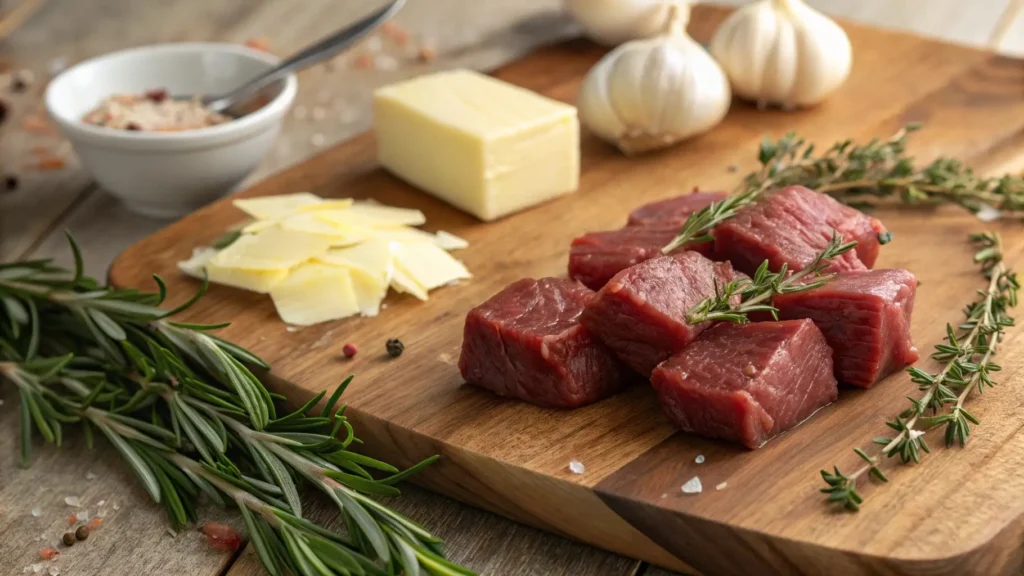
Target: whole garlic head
612,22
782,52
649,94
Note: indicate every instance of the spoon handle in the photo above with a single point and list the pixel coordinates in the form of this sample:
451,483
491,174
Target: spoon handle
318,52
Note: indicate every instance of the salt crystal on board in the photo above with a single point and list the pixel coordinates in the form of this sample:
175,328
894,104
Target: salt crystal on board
988,213
291,328
1,402
692,486
101,513
699,459
116,506
721,486
576,467
53,571
82,516
101,502
73,501
90,475
37,567
37,512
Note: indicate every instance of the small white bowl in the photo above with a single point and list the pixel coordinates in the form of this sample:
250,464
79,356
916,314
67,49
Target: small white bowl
169,174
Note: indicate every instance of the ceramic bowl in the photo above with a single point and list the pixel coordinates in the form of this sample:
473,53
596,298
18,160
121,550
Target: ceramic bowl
169,174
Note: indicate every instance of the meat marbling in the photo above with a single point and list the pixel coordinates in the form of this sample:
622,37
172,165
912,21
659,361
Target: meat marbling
791,227
865,317
527,342
747,382
641,312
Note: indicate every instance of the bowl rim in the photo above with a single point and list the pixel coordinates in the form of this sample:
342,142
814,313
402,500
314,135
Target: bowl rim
268,113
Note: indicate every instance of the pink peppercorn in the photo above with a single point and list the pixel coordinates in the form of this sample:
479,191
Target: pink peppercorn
350,350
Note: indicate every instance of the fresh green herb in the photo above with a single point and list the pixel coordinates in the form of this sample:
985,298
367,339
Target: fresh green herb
187,414
966,355
863,175
737,299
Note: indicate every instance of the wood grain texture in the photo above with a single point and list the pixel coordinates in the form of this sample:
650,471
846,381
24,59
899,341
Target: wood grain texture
133,539
512,458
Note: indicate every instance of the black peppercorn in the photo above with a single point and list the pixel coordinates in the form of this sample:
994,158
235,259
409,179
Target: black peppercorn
133,127
68,539
10,183
394,347
3,111
82,533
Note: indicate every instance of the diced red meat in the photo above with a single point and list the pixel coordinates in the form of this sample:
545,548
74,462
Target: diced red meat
673,212
791,227
596,257
865,317
641,312
527,342
747,382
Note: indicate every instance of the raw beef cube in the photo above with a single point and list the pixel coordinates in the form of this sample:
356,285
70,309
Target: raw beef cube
673,212
791,227
527,342
597,256
747,382
641,312
865,317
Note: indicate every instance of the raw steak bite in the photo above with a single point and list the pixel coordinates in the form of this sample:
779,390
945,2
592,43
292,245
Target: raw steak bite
597,256
673,212
641,312
527,342
791,227
747,382
865,317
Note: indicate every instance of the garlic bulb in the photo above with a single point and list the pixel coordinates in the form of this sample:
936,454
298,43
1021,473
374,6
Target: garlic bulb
652,93
782,52
612,22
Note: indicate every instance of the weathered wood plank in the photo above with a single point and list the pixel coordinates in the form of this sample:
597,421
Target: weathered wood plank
133,538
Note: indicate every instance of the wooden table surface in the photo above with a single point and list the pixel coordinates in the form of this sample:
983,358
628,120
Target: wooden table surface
333,104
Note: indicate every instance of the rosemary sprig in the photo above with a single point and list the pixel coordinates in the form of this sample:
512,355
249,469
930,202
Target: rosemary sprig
754,294
966,355
185,412
861,175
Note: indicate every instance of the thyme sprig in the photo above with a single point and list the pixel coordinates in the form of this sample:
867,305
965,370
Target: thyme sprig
754,294
185,412
966,354
879,171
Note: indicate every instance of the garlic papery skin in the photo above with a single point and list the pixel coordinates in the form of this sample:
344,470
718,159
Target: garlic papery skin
782,52
612,22
649,94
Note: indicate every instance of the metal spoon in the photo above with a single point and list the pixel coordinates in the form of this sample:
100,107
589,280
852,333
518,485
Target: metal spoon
316,53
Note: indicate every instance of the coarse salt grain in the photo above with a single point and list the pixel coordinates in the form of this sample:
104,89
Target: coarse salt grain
101,513
53,571
387,63
693,486
116,506
38,567
1,402
721,486
37,512
287,329
915,434
988,213
319,113
101,502
73,501
699,459
90,476
576,467
83,516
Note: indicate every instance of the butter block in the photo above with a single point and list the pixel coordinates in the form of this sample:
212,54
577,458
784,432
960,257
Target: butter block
483,145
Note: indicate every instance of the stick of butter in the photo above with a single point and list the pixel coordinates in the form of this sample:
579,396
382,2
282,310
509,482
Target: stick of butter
476,142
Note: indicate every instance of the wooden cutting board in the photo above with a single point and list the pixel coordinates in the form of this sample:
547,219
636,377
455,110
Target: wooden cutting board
959,512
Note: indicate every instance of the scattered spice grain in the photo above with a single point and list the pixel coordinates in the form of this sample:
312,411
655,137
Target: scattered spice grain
68,539
394,347
82,533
